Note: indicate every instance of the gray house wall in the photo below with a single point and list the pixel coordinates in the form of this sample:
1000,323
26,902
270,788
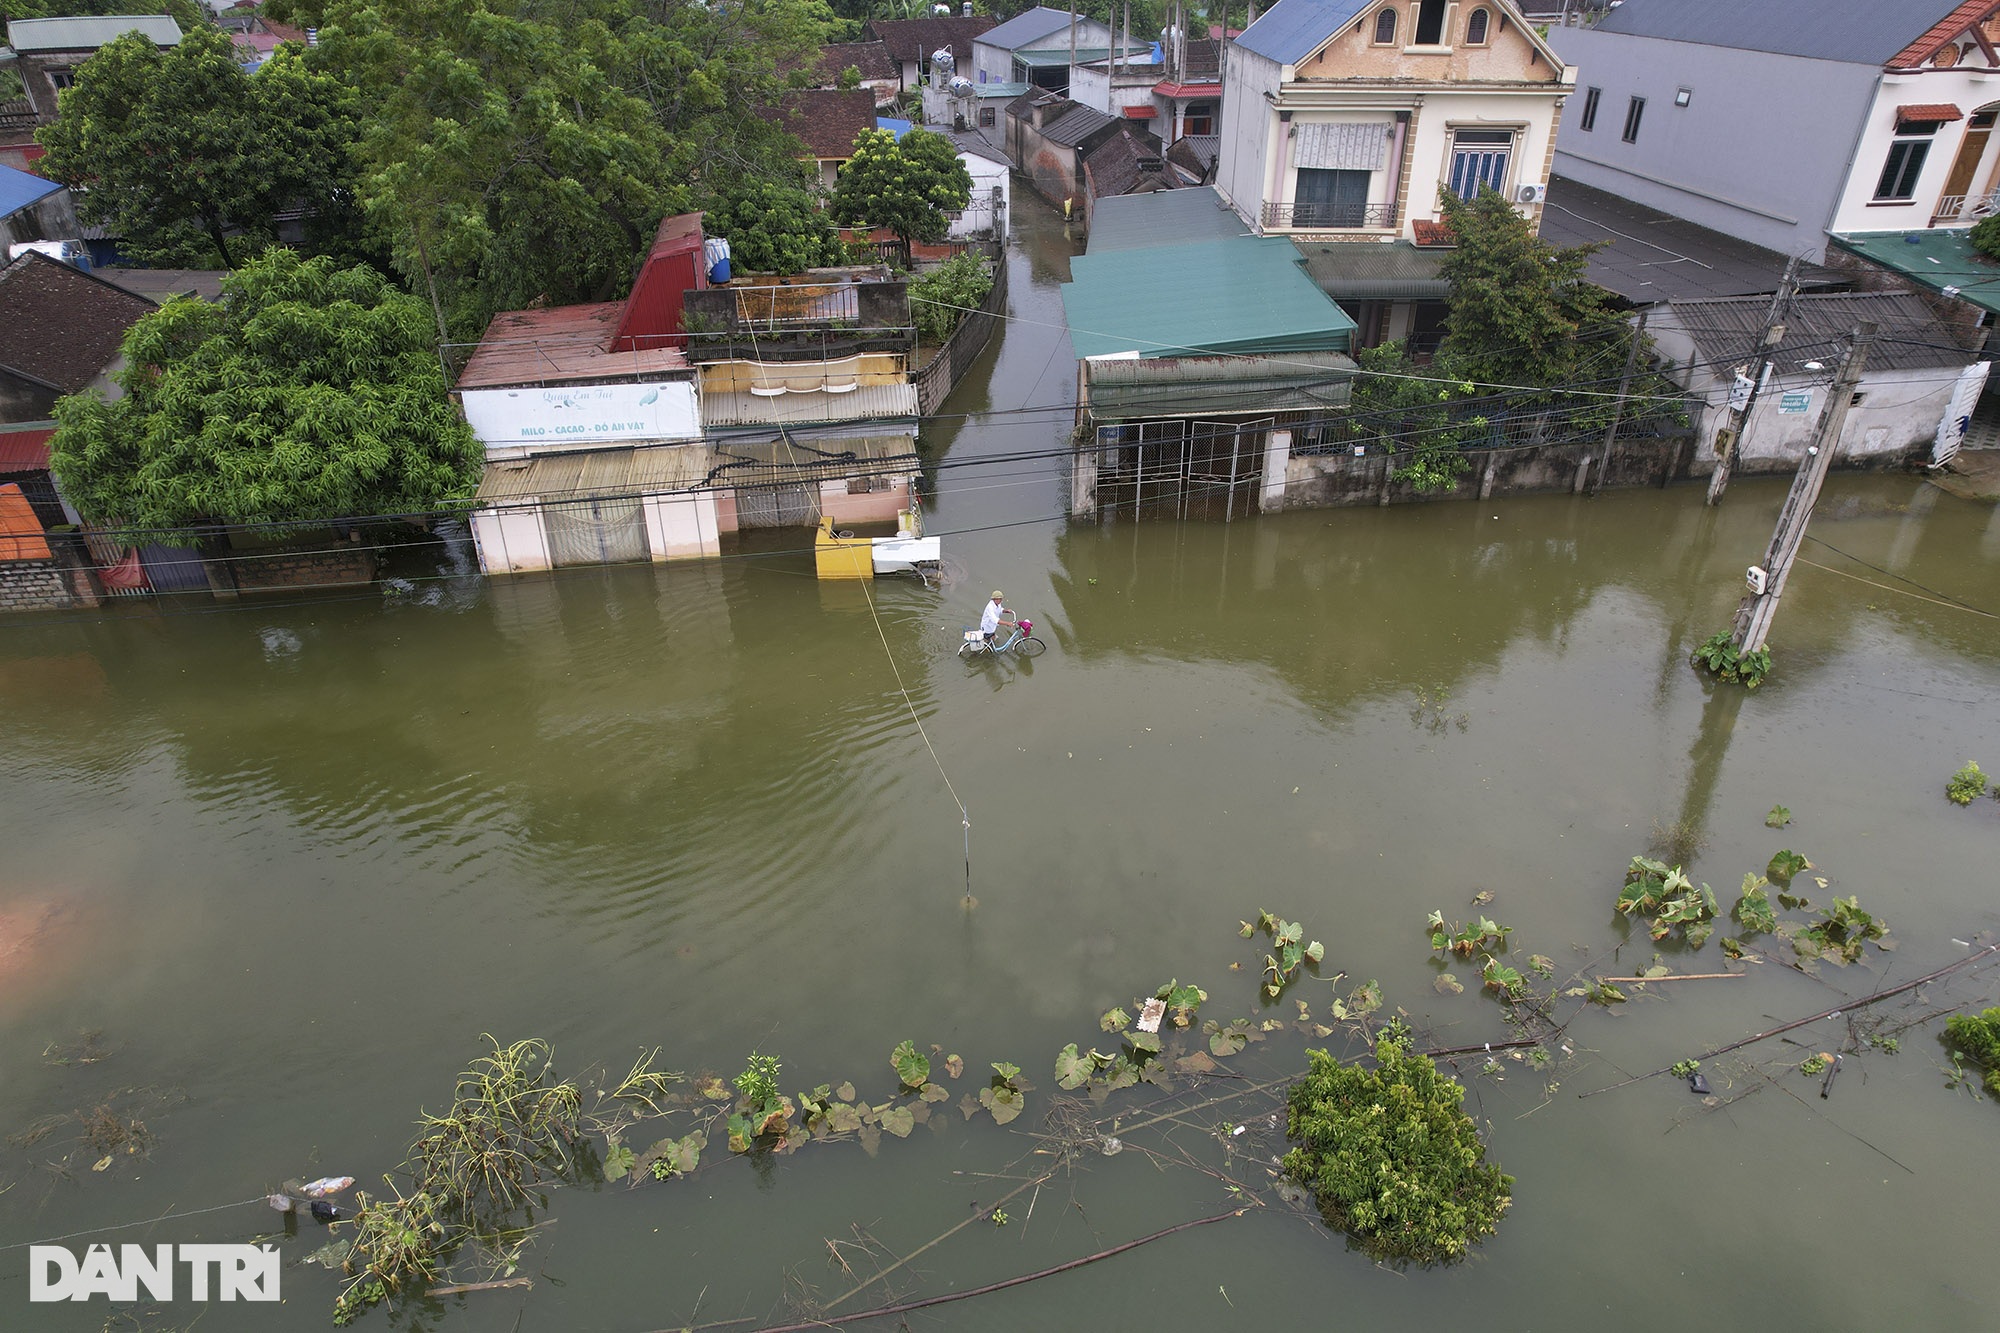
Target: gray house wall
1761,151
1241,168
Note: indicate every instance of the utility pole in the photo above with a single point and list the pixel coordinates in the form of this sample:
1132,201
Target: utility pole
1753,618
1070,76
1739,418
1618,411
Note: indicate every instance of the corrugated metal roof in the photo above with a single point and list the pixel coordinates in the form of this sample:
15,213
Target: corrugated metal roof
561,346
1291,30
999,89
579,475
1220,386
1908,335
1373,271
18,189
1032,26
25,448
20,531
1142,222
1058,59
87,34
822,458
870,402
1938,258
1239,294
1864,32
1075,125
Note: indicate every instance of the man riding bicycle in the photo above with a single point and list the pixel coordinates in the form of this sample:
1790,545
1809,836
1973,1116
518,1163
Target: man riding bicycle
993,617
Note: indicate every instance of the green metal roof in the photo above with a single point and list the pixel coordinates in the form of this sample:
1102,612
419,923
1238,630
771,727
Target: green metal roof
1942,260
1219,386
1237,295
1167,217
1374,271
1057,59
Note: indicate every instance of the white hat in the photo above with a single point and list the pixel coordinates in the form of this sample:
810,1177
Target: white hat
997,594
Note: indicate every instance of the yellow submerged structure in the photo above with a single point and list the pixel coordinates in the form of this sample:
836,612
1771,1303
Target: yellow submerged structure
840,557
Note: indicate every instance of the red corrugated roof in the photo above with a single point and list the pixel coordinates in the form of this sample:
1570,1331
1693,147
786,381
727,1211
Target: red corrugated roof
20,530
1927,113
25,450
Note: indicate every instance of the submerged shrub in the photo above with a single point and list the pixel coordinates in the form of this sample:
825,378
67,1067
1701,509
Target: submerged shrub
1967,785
1391,1157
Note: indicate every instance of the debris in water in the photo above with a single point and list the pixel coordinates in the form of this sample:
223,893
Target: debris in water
1110,1145
1698,1084
1151,1014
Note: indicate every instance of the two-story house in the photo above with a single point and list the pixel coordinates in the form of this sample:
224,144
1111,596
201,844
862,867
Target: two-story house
1344,120
1821,128
45,55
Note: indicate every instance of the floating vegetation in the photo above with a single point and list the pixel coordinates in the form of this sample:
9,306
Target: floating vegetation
1778,818
1669,901
1753,910
1785,864
1968,784
1290,951
1976,1038
1678,840
1390,1156
1482,935
1430,711
1839,932
1720,657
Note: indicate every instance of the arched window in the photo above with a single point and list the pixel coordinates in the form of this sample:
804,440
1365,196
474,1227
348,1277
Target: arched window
1475,28
1385,28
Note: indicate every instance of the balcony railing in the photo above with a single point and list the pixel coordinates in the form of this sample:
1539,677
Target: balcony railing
1330,217
1967,208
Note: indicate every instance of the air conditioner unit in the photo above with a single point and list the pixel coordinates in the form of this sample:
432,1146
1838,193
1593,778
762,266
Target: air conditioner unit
1531,194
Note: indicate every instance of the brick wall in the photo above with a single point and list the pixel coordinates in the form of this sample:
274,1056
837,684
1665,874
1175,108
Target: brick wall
34,585
321,565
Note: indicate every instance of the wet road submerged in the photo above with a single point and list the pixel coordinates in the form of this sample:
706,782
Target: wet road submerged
293,859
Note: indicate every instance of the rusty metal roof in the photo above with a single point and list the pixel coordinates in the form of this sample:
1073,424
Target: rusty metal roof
581,474
561,346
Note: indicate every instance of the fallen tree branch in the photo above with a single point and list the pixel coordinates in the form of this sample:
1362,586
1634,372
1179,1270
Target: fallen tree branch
1834,1012
1680,976
886,1311
460,1288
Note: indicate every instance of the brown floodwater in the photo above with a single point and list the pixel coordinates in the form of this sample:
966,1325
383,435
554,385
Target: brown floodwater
291,859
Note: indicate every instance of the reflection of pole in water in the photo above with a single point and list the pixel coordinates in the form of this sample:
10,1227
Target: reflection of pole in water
1705,756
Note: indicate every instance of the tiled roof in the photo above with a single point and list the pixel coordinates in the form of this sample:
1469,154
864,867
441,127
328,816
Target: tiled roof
1195,154
825,120
826,66
1951,26
60,326
915,39
1865,32
1927,113
20,531
1429,233
1125,164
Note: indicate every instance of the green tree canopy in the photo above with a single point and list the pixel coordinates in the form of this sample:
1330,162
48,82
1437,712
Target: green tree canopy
774,227
909,187
1522,312
188,157
516,153
310,392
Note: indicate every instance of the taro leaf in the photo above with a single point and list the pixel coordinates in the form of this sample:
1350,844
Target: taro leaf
1656,970
1439,939
1117,1020
1292,952
953,1066
1122,1073
936,1092
1792,902
1697,934
1008,1073
1248,930
1778,818
1434,922
1606,994
920,1112
1073,1070
1271,1025
968,1106
845,1092
714,1089
843,1118
739,1134
1322,1031
897,1120
1732,948
1229,1040
1003,1102
911,1067
1500,977
793,1141
1144,1041
1289,932
870,1138
1364,999
333,1254
1447,984
1314,952
686,1155
1786,864
1753,909
618,1160
1305,1010
1195,1062
777,1118
1542,964
1483,897
1339,1011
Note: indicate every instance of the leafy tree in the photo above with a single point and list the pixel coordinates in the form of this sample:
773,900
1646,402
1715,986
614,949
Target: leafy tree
775,227
1391,1156
1420,413
908,187
940,297
310,392
1522,312
1985,236
189,14
189,157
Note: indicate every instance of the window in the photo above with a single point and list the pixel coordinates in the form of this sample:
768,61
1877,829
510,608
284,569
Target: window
1633,111
1385,28
1329,198
1589,120
61,78
1479,160
1200,118
1899,174
1475,28
986,118
1430,22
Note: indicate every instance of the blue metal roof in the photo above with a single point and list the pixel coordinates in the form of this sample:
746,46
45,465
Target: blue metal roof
1291,30
18,189
1864,32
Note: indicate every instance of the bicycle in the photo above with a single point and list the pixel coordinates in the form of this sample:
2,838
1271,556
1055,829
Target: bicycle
1021,641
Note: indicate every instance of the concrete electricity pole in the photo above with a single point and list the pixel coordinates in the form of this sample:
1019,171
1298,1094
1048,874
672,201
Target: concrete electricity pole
1739,417
1767,582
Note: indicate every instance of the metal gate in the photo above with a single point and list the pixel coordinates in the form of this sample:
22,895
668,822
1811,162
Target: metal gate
1198,468
795,506
596,532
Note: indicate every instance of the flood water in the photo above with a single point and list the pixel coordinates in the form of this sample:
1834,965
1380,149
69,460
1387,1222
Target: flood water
292,859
